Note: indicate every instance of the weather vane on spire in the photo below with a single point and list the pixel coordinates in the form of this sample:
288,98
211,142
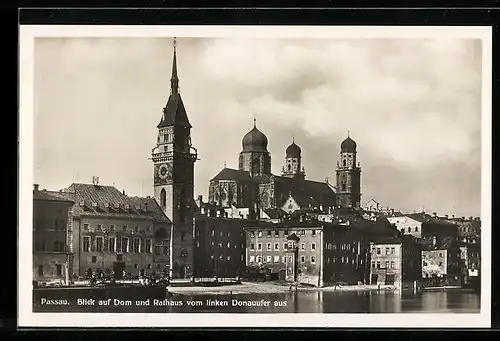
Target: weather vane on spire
175,42
254,120
293,139
348,133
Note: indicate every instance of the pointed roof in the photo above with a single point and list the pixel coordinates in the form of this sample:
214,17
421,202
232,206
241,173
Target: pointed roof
348,145
174,113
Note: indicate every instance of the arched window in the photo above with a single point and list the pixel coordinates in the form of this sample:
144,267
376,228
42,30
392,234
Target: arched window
343,186
163,198
344,162
289,167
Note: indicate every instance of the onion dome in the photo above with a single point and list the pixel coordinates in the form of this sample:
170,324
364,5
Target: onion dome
293,151
348,146
254,141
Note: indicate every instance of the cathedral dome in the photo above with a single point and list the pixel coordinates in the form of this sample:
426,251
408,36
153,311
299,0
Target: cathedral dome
348,146
293,151
254,140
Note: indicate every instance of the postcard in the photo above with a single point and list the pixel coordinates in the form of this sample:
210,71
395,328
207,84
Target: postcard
232,176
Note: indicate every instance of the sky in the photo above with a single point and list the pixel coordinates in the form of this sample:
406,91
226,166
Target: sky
413,106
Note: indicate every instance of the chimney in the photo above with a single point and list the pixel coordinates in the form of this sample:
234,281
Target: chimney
36,187
446,216
452,216
123,192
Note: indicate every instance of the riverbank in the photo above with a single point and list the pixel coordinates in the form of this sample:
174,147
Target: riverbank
269,288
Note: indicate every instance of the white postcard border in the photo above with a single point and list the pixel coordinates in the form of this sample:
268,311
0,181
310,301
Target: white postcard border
27,318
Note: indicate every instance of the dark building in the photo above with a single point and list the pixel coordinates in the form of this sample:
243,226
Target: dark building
441,261
174,158
52,237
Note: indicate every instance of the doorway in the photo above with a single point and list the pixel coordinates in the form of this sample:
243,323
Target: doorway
389,279
374,279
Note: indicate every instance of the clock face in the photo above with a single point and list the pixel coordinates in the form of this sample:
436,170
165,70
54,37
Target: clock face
165,171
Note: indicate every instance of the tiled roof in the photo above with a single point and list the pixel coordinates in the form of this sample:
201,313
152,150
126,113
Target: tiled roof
50,196
275,213
306,192
174,113
421,217
101,200
233,174
442,243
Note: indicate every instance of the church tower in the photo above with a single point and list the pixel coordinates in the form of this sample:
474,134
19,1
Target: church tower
293,163
348,175
254,157
173,159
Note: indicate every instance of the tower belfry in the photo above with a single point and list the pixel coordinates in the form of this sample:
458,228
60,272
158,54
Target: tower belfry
173,159
348,175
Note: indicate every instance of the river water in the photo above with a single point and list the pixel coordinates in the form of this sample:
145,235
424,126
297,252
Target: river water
296,302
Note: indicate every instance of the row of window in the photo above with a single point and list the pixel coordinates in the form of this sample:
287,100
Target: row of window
330,246
424,263
221,233
277,233
228,257
278,259
58,270
136,266
388,250
123,245
277,246
388,265
221,245
409,229
113,228
58,246
58,223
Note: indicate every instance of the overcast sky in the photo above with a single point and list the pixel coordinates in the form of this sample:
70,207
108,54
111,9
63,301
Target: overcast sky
412,106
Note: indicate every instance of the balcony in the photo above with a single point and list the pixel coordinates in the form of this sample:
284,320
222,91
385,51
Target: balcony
163,156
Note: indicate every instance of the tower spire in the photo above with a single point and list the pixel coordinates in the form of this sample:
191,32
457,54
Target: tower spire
348,133
174,81
254,121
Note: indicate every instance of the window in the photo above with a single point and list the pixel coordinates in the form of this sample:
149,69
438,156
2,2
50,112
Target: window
163,198
99,227
378,251
99,241
259,234
149,266
393,250
416,228
124,228
440,264
303,246
373,264
112,227
86,243
148,245
378,264
268,246
213,233
137,245
387,264
259,246
290,259
252,246
119,258
228,258
303,232
59,246
183,235
334,259
228,245
392,264
259,259
212,243
112,244
212,256
313,259
252,234
313,232
228,233
387,251
124,244
197,243
313,246
269,233
302,259
276,233
221,233
252,259
94,259
286,233
440,254
220,245
283,259
276,259
276,246
40,270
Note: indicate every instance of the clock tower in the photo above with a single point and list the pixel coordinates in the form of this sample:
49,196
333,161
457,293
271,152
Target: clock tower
173,158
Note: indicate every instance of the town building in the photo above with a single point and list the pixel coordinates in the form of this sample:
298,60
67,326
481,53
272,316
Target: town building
441,262
114,233
395,261
173,158
311,251
220,247
52,237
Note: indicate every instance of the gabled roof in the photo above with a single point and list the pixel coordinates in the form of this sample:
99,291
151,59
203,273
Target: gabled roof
421,217
306,192
174,113
233,174
293,237
102,200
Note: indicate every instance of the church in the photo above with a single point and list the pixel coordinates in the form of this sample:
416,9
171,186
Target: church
253,185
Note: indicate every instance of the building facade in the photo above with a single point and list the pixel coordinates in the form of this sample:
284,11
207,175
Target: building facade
52,238
441,263
116,234
173,158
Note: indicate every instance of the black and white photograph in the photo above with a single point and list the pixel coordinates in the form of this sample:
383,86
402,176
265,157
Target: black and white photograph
255,176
